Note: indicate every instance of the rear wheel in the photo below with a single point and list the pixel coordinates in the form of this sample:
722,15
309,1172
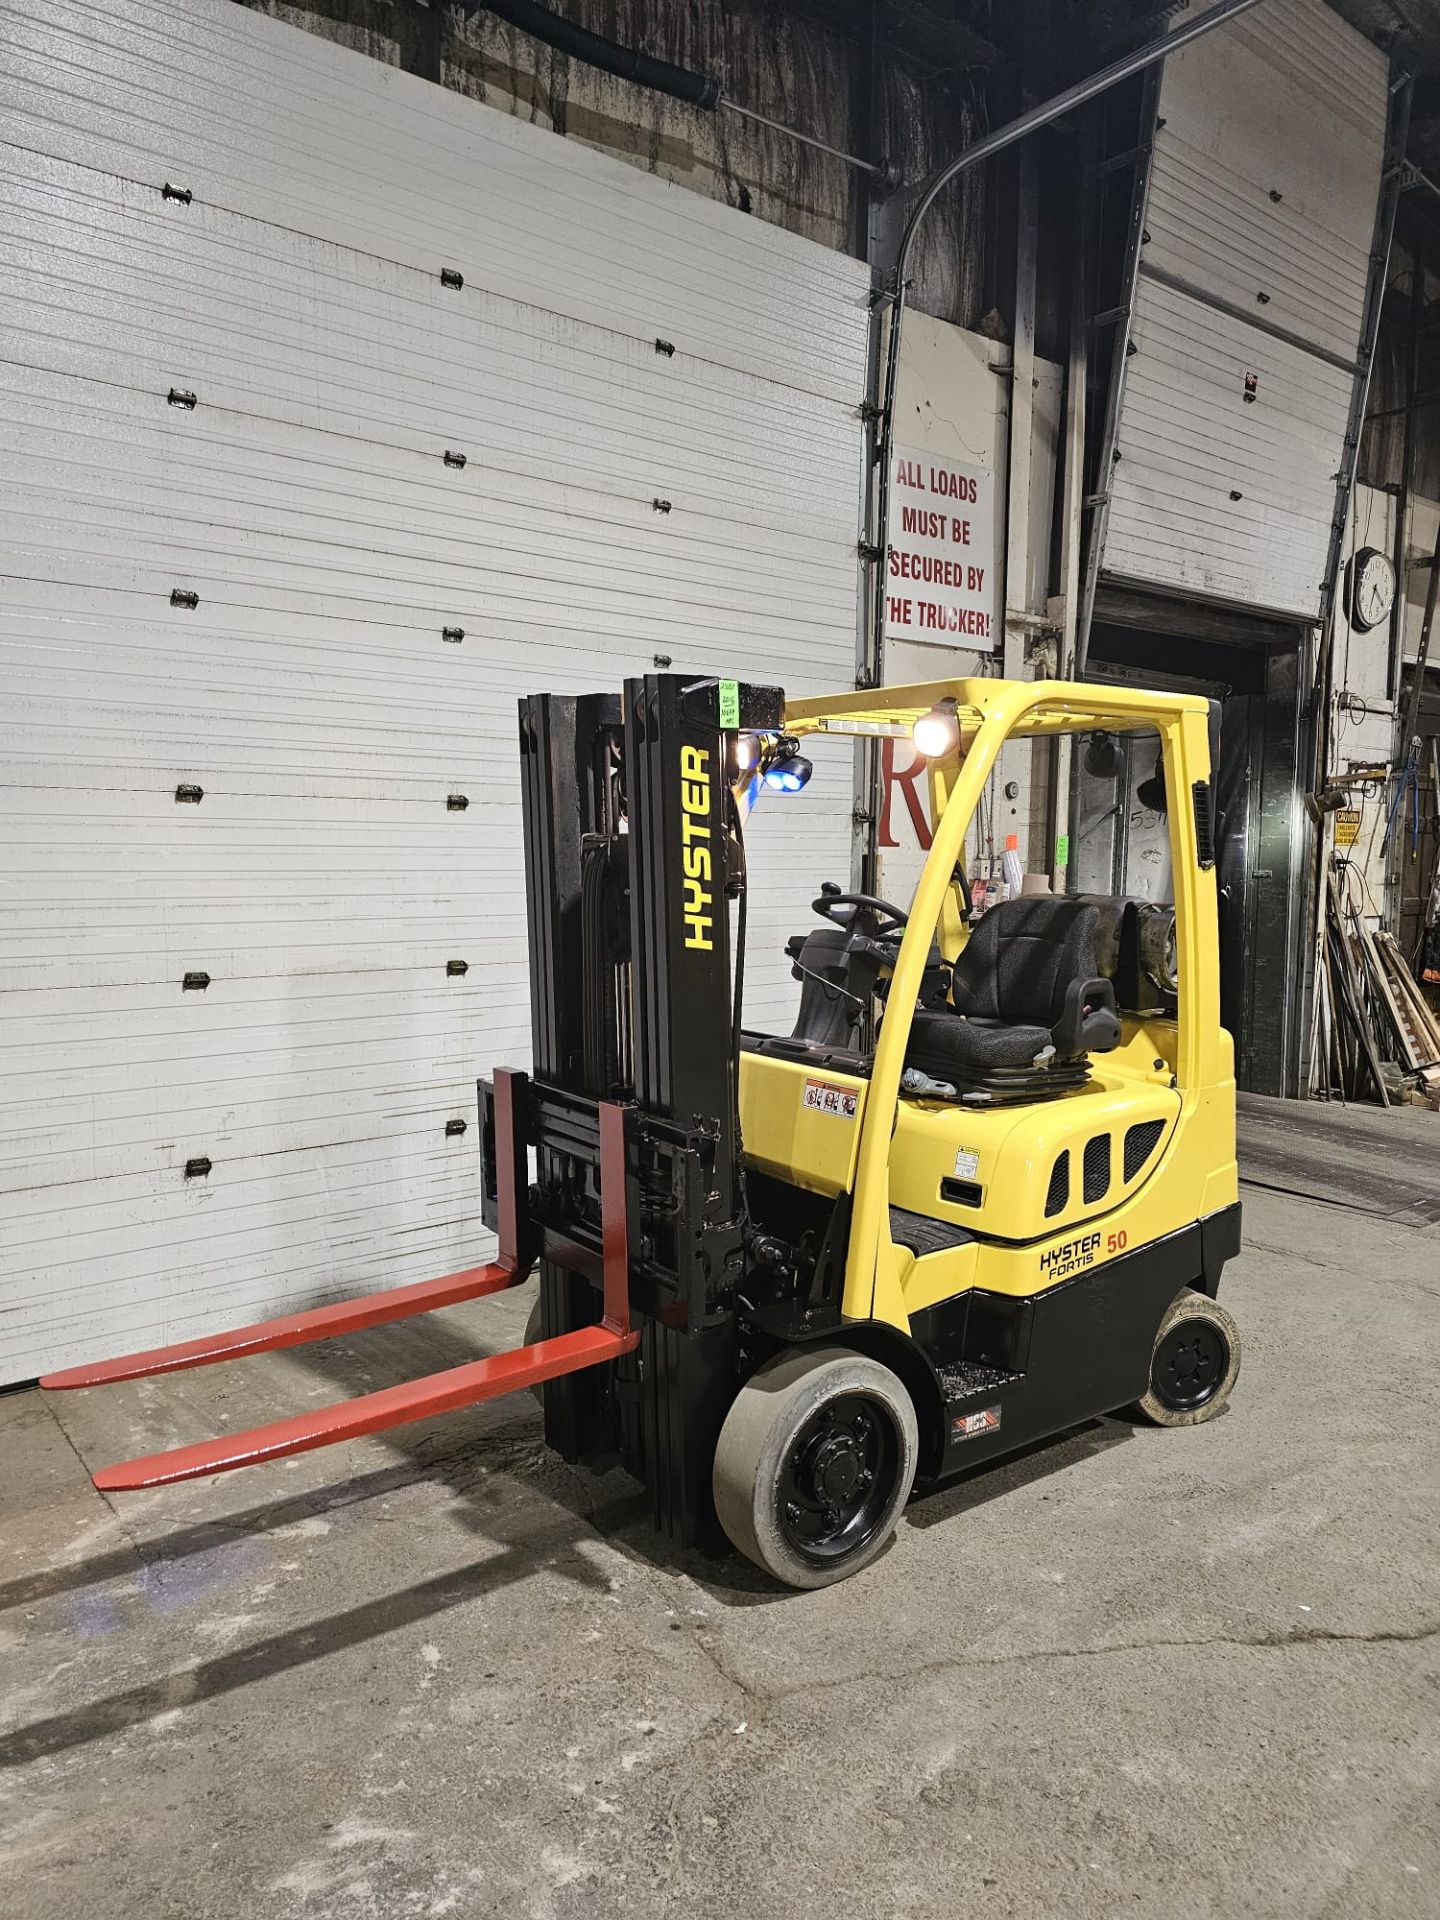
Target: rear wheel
814,1464
1195,1363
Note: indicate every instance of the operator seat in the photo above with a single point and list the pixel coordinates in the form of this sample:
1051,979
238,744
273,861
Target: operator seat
1029,1004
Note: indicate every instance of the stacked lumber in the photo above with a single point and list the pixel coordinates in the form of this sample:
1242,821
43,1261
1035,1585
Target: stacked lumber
1415,1022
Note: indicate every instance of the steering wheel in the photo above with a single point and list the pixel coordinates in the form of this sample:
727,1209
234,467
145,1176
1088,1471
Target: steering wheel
890,920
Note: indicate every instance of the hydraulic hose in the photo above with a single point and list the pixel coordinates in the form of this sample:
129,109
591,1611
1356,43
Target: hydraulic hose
660,76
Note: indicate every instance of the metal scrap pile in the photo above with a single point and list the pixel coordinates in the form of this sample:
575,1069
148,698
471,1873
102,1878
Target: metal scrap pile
1376,1035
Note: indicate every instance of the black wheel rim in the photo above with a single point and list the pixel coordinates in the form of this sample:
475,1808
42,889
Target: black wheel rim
1190,1364
838,1476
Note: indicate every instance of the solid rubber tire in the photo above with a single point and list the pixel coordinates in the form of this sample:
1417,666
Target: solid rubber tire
1189,1305
764,1418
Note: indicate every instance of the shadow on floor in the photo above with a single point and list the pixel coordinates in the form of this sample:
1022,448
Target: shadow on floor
451,1453
946,1500
296,1647
441,1452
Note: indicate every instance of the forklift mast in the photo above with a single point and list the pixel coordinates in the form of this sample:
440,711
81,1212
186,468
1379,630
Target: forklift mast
633,855
615,1164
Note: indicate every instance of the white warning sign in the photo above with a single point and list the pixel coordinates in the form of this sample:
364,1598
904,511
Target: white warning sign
939,574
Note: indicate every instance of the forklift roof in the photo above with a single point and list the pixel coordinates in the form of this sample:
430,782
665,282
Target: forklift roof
1049,706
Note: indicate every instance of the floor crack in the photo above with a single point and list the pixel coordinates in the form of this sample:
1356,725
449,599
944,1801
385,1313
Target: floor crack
1252,1244
1299,1637
121,1528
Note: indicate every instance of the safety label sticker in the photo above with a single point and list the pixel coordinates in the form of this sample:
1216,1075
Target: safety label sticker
827,1099
967,1163
970,1426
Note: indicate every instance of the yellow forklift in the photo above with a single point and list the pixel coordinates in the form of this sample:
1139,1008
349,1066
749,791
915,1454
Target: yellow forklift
982,1192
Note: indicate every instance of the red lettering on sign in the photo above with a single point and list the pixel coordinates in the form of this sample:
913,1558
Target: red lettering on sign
958,486
927,568
922,523
889,780
967,620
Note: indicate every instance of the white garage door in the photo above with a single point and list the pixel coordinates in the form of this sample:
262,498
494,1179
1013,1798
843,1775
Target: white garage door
240,718
1249,307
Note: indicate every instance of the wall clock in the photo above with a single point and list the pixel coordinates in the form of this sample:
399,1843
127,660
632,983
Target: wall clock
1371,584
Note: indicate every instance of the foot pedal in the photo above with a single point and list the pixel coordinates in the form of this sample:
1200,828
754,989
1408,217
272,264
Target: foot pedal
965,1380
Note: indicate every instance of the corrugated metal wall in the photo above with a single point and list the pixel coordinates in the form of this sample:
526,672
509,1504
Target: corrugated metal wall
365,614
1247,320
809,67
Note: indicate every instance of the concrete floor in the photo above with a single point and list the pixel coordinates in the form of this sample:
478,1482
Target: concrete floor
1175,1674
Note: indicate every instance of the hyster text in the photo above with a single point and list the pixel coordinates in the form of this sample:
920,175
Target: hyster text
1069,1257
695,851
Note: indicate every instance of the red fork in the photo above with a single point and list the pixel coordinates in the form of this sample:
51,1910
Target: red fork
374,1412
436,1393
292,1329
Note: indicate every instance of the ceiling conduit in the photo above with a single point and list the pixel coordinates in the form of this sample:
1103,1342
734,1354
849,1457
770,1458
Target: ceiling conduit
700,89
642,69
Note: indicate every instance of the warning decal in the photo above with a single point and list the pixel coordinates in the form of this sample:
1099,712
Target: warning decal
824,1098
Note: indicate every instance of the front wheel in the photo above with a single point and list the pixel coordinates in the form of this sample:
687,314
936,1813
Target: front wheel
814,1464
1194,1365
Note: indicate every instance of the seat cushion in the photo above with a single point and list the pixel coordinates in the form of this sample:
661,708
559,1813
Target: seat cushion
942,1044
1020,961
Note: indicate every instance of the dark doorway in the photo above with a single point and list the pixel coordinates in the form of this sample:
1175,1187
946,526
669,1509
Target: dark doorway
1261,839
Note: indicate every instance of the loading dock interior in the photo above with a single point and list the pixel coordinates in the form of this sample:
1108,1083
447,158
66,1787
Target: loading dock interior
374,366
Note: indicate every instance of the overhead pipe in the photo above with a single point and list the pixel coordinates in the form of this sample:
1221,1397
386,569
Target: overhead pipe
643,70
727,105
699,89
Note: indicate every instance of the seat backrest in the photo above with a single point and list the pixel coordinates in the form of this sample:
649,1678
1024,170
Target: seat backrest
1019,962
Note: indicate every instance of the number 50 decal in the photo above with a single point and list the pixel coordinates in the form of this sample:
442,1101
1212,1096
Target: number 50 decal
1116,1242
